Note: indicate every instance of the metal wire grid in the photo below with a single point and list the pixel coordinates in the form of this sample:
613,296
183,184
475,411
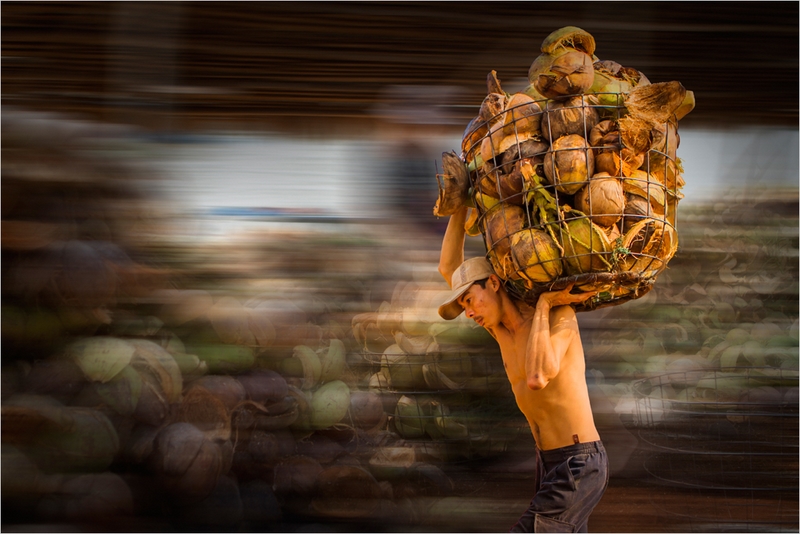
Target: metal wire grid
606,268
733,455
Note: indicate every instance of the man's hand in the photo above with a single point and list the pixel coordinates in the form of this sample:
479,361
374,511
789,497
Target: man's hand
564,297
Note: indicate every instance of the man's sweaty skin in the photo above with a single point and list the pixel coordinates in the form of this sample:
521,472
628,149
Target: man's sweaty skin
541,350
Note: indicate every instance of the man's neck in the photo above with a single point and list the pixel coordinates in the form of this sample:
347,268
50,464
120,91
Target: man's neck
511,318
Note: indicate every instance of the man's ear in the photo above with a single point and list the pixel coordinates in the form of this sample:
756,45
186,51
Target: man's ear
494,282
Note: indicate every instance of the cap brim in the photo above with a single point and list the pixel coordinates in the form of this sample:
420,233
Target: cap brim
451,309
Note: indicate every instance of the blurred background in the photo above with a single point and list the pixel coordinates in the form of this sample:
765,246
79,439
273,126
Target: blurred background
219,271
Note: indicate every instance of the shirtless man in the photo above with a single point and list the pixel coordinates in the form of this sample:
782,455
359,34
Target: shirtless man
543,357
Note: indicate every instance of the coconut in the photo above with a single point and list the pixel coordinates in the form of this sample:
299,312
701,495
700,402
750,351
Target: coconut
123,392
492,107
101,358
404,371
636,209
603,199
186,462
264,386
571,73
221,358
453,185
59,378
410,418
569,164
392,462
573,115
366,408
535,255
609,157
612,81
511,186
474,133
569,37
227,389
329,404
499,224
532,149
655,102
648,187
231,322
586,247
522,115
152,359
204,410
471,226
651,243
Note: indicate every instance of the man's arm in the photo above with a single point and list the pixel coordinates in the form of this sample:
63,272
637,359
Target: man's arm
452,254
547,344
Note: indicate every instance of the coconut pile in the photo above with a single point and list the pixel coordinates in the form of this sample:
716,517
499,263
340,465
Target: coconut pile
575,179
443,393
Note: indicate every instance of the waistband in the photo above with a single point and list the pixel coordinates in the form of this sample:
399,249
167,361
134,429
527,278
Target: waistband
561,454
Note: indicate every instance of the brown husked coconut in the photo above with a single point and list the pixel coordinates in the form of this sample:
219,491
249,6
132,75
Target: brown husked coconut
492,107
536,256
512,186
187,463
636,209
610,155
208,413
568,74
366,408
474,133
646,186
569,164
264,386
489,148
652,243
533,149
602,199
500,223
573,115
453,186
586,247
655,102
227,389
522,114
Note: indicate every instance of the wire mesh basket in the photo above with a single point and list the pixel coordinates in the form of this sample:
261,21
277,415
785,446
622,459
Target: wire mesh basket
573,191
729,440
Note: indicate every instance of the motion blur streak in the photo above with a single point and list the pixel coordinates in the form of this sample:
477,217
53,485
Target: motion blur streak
219,273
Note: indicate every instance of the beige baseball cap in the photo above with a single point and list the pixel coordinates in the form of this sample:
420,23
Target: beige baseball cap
469,272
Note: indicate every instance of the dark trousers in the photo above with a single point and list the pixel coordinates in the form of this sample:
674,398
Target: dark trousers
570,482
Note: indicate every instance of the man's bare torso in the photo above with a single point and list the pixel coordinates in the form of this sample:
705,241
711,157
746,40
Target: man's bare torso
561,410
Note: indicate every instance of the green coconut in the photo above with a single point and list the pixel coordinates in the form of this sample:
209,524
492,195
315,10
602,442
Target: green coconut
586,247
329,404
411,417
403,370
101,358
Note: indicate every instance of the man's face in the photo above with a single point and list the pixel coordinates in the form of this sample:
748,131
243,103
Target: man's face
482,304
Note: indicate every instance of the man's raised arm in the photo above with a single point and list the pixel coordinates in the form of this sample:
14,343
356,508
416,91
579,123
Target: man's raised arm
452,254
548,343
